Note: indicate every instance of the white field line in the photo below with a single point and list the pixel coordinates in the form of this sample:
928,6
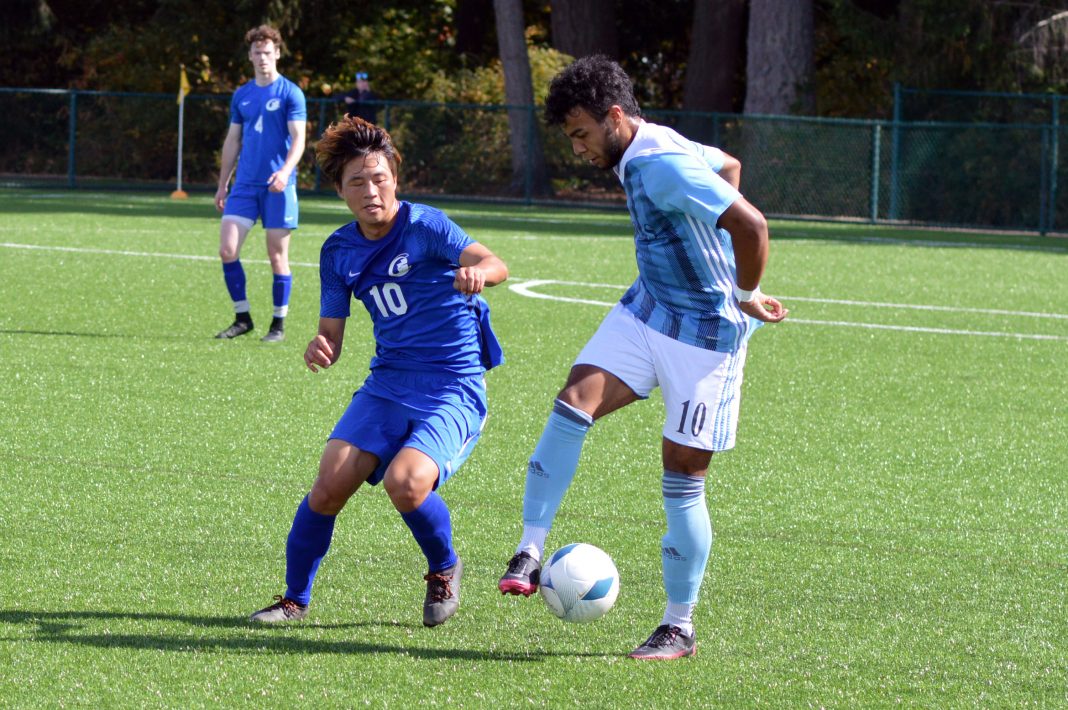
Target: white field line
525,287
153,255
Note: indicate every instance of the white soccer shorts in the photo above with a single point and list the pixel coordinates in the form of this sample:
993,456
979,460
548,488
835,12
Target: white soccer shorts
701,388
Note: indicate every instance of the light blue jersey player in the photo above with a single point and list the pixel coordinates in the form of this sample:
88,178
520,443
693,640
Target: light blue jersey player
417,416
683,326
266,141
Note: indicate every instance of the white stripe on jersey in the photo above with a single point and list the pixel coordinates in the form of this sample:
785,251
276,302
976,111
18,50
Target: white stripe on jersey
722,277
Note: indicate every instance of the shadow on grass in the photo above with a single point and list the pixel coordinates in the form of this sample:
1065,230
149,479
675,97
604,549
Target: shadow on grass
66,627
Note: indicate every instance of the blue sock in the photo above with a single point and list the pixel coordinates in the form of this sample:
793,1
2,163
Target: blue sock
553,464
283,284
234,276
688,541
431,527
308,541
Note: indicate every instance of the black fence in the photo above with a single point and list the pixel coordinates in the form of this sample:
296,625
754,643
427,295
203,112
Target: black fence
996,169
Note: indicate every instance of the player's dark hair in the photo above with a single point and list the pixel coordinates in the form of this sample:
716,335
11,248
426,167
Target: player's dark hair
353,137
263,33
595,84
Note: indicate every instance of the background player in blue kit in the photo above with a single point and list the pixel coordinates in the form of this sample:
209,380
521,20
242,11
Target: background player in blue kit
683,325
417,417
267,119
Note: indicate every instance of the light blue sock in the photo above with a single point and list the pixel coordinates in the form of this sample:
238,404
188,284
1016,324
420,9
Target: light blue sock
553,464
688,541
431,526
308,541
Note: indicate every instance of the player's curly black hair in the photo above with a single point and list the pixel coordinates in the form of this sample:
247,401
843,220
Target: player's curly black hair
349,138
595,84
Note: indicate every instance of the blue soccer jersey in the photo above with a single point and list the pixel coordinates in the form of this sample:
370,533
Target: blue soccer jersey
686,267
263,113
405,281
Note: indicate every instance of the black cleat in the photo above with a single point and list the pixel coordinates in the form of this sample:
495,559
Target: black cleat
241,325
277,331
666,643
442,594
522,576
284,609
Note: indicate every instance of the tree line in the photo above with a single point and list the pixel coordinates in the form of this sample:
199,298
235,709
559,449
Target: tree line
836,58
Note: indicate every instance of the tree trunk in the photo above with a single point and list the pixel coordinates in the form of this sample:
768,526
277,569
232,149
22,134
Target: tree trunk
715,67
529,176
584,27
779,63
473,28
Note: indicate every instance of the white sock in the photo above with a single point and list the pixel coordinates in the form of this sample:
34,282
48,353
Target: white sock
533,541
241,306
680,615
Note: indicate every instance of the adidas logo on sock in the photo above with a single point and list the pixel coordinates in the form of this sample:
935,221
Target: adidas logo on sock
673,554
534,467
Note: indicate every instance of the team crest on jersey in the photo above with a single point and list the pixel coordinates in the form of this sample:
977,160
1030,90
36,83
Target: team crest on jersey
273,104
399,266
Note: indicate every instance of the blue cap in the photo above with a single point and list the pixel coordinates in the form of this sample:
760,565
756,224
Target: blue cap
361,75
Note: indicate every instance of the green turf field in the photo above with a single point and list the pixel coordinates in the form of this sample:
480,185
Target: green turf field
892,527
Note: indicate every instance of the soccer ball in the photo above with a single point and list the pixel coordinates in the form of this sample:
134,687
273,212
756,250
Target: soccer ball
579,583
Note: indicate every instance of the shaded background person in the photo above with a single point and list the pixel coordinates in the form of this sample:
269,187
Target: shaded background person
358,102
265,141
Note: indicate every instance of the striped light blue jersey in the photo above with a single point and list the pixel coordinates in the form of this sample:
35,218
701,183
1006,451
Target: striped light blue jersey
686,267
405,281
264,113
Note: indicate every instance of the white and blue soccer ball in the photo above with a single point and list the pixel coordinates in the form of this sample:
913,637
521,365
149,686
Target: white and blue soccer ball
579,583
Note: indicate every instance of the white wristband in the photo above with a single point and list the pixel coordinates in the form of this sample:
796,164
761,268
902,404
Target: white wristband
744,296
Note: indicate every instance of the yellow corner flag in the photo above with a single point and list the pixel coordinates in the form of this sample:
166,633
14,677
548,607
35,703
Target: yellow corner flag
183,91
183,86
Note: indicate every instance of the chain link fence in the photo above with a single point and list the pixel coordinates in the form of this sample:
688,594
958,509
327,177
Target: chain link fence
996,173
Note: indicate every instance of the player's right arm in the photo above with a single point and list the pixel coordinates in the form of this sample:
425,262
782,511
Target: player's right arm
325,348
230,150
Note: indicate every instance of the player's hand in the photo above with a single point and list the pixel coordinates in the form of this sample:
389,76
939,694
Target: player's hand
320,354
469,280
220,198
278,180
764,308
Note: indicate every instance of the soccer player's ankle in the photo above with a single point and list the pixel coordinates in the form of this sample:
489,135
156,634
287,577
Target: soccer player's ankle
533,541
679,614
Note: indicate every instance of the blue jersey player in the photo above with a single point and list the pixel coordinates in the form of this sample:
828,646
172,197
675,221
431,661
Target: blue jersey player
683,325
417,416
266,140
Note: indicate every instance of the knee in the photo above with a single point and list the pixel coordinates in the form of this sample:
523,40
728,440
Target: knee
406,491
327,499
228,253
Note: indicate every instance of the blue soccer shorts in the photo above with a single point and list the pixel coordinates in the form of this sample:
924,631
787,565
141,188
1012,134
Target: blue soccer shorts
440,415
277,210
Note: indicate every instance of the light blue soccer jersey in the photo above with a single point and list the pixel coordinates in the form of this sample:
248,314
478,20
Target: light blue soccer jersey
263,113
405,281
686,267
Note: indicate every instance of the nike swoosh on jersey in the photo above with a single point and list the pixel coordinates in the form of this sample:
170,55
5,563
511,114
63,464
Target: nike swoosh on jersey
353,275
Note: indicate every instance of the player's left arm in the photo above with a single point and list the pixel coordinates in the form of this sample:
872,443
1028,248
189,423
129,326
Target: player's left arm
749,236
280,178
479,268
731,170
687,185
